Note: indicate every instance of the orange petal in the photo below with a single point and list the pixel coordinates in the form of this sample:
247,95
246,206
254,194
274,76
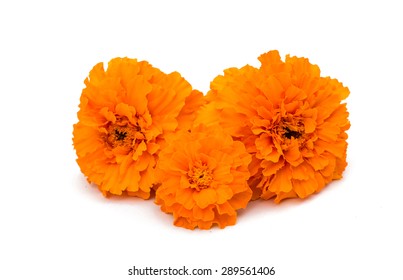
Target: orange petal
206,214
301,172
294,93
123,109
137,90
304,188
142,147
240,200
264,145
270,168
224,193
205,197
309,125
281,181
184,197
318,162
292,154
285,195
225,208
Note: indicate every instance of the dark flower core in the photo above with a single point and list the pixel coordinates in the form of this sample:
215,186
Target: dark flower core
200,177
291,133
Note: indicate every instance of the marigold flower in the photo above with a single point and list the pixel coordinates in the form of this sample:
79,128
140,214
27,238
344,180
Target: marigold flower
125,113
203,176
290,119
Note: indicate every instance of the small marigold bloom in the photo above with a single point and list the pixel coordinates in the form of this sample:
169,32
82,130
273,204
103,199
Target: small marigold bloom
203,175
290,119
125,112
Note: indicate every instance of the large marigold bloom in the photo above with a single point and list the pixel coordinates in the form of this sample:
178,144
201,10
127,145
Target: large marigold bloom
124,114
290,119
203,176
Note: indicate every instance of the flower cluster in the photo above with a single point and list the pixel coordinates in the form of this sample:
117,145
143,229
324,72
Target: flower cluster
278,131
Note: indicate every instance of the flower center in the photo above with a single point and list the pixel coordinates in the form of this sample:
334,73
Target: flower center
200,177
289,128
288,133
125,136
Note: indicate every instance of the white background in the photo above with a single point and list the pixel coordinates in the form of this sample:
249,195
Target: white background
56,226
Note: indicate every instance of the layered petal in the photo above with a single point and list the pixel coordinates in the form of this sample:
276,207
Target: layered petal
292,121
203,174
125,114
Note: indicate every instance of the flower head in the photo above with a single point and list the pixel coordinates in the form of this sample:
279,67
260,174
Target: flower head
203,175
125,113
290,119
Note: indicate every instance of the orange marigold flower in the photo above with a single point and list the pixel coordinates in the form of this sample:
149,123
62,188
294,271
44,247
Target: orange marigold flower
203,176
290,119
125,112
